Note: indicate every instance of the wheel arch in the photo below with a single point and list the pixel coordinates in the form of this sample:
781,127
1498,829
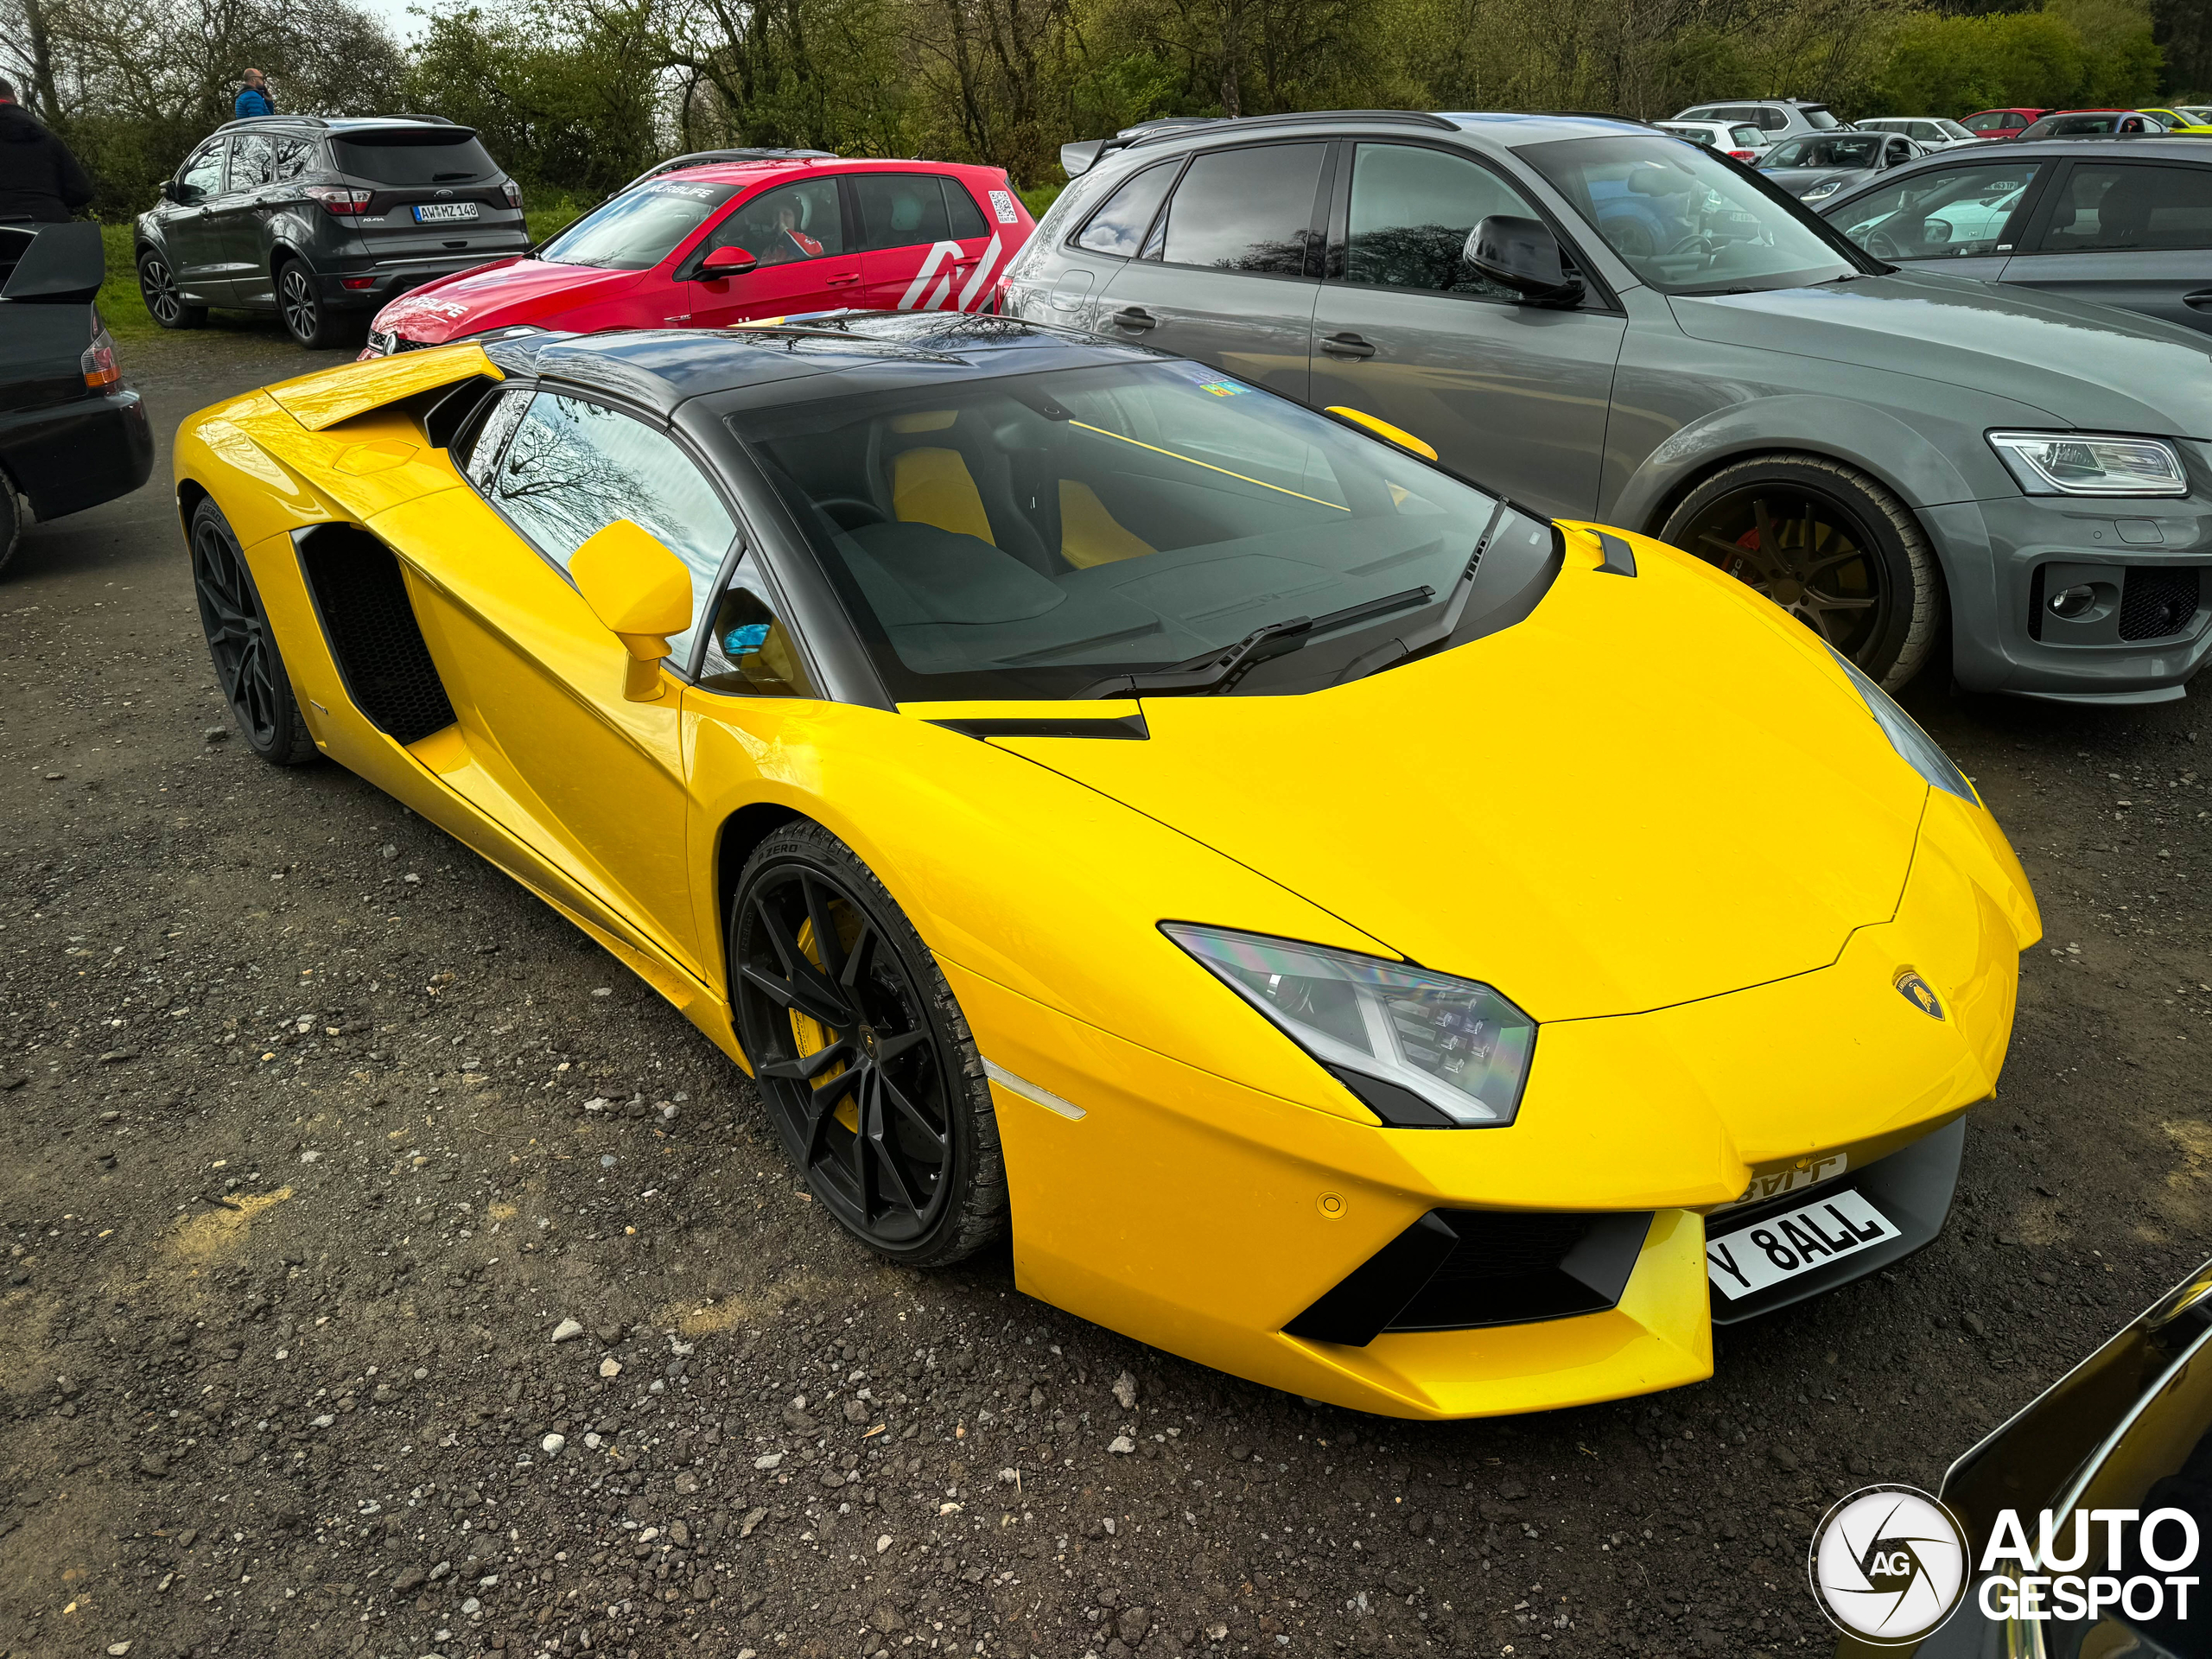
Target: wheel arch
740,832
190,493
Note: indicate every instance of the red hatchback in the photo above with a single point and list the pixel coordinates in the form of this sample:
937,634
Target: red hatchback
724,237
2001,123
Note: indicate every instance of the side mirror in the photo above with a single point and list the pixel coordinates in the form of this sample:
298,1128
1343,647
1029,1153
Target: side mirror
172,191
641,591
1523,255
725,261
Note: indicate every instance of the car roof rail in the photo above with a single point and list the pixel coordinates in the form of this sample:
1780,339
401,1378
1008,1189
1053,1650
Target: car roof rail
1607,115
314,121
1082,155
708,157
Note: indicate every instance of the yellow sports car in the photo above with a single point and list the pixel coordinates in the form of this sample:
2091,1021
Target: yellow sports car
2191,119
1347,930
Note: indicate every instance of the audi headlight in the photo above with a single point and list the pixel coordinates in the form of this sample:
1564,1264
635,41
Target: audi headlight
2088,463
1823,190
1420,1049
1921,752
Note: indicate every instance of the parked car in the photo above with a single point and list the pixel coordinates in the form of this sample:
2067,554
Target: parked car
2195,120
1778,117
2122,1437
1605,322
2094,123
322,221
2125,223
2001,123
928,707
1747,144
1931,132
1812,169
732,237
72,435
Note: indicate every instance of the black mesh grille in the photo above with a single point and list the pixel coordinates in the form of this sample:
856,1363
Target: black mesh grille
2157,601
361,599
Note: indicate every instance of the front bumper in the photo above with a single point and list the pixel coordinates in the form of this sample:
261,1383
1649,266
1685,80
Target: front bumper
2148,561
1192,1212
382,281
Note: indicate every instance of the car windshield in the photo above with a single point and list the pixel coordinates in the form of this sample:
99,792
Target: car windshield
641,227
1033,536
1952,130
1818,118
1845,149
1688,222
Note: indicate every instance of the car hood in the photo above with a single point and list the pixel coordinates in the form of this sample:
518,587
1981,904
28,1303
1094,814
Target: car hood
1651,791
2089,367
494,295
1799,180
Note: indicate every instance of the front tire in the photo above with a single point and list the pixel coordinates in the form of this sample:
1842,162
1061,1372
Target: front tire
1830,545
165,303
860,1053
11,521
307,317
248,666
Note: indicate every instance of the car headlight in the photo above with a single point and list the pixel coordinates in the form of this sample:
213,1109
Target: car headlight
1823,190
1921,752
2089,463
1420,1049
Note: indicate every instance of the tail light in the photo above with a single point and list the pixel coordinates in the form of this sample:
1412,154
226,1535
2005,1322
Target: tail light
1745,155
514,193
338,199
101,374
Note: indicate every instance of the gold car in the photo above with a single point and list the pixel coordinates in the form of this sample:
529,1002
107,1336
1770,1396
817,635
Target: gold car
1346,930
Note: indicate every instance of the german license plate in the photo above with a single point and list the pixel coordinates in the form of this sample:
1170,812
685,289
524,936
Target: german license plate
433,213
1751,1258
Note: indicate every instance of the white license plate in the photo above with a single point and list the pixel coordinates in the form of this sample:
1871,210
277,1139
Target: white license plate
438,212
1797,1240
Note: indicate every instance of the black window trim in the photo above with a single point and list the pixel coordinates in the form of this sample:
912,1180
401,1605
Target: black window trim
1171,164
1316,220
1598,295
221,141
2030,244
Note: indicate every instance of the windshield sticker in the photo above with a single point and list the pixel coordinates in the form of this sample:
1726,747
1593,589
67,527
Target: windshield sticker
1207,380
694,191
1003,204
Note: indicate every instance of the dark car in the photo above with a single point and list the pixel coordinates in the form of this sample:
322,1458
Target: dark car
72,435
2126,222
1814,170
2094,123
1607,323
322,222
2123,1438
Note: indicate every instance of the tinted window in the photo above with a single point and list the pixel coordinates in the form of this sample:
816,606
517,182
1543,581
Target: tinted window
409,156
960,208
1246,209
783,226
253,161
1118,227
574,468
1772,120
294,159
640,228
1412,212
1819,118
479,450
900,210
749,650
2115,206
1941,212
203,173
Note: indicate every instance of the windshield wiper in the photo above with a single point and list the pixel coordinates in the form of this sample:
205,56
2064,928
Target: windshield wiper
1391,653
1220,670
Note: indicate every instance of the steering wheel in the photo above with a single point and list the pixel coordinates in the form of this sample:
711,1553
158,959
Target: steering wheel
851,511
1883,245
1695,241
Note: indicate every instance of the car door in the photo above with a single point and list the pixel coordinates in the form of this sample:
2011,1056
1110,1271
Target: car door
922,240
2136,234
1230,266
234,218
797,233
1513,395
195,247
1966,214
593,780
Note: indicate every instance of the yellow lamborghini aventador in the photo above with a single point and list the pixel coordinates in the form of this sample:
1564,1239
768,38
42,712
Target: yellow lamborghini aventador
1349,930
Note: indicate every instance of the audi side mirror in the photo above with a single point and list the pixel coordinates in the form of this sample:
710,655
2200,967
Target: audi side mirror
725,261
1523,255
172,191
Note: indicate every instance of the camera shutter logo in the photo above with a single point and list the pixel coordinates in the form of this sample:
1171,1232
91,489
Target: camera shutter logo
1888,1565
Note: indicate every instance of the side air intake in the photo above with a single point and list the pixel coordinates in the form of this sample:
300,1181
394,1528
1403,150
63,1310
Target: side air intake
360,598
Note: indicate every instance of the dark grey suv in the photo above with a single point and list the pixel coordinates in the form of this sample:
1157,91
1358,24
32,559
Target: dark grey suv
1611,324
322,221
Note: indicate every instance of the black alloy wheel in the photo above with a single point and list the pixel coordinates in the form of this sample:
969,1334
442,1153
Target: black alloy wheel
11,521
1828,544
248,666
299,301
164,300
860,1053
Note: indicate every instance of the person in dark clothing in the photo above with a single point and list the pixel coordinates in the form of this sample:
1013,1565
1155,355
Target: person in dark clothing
39,178
253,98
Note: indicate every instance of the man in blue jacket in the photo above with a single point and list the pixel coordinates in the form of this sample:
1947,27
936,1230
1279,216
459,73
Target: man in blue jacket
253,98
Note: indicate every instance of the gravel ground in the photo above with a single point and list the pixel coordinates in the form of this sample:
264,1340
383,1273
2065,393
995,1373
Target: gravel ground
388,1273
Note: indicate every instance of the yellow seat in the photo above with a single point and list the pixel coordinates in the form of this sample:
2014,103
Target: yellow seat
932,486
1089,534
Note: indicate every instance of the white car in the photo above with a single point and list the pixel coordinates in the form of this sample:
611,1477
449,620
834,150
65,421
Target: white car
1930,132
1747,144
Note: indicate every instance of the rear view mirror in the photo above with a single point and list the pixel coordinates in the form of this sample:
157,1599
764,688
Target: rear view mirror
641,591
1523,255
725,261
63,262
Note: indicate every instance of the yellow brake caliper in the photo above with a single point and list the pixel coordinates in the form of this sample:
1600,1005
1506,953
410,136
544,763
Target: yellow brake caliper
809,1035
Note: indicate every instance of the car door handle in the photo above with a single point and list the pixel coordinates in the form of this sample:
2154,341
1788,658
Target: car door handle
1135,316
1346,345
2199,300
846,281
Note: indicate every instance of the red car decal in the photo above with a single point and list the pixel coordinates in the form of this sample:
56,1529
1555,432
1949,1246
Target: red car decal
824,233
